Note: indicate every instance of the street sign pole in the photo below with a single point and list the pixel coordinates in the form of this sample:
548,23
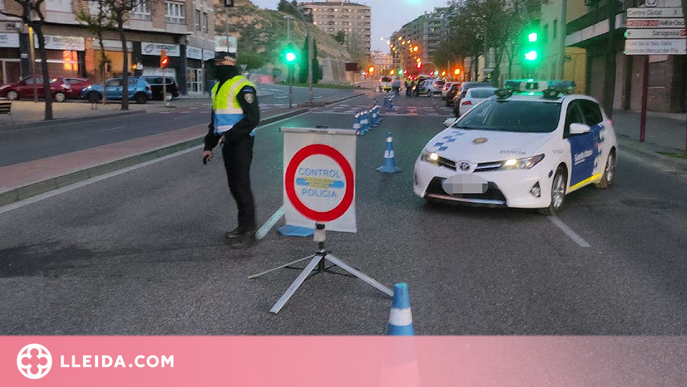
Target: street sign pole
645,92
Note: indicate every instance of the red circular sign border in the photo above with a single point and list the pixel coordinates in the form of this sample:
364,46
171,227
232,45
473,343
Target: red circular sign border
325,150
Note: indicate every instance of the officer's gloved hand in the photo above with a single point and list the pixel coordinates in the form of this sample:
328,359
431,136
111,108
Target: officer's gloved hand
207,157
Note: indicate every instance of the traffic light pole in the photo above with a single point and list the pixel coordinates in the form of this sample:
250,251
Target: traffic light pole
310,53
290,86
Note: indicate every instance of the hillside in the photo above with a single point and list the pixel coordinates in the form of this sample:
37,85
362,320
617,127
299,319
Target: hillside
263,33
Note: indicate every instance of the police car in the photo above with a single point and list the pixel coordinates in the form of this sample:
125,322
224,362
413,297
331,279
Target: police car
520,148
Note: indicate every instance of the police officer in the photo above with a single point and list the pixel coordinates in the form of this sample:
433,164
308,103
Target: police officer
235,114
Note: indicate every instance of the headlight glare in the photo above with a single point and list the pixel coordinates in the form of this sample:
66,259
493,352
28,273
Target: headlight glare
524,163
430,157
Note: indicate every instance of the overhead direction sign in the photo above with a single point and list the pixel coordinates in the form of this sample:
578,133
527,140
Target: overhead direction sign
656,23
654,12
656,34
656,47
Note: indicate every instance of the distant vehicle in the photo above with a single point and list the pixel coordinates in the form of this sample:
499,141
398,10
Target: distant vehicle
435,87
424,86
526,150
61,88
474,96
444,90
451,93
139,90
155,83
461,94
385,84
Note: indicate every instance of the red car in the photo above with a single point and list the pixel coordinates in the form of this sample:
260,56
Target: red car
61,88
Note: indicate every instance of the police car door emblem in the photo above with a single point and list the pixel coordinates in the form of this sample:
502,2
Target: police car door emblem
464,166
480,140
250,97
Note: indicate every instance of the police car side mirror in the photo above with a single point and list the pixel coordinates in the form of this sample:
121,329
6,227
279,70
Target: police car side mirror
450,122
577,128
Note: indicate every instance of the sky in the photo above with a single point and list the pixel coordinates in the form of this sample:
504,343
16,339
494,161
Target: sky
387,15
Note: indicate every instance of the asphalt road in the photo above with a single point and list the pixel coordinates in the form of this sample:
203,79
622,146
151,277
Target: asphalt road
143,253
32,143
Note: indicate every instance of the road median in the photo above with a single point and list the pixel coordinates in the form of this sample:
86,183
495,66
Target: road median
25,180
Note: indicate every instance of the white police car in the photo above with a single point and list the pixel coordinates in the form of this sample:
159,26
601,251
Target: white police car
524,150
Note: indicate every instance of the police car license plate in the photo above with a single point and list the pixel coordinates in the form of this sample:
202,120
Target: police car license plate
464,184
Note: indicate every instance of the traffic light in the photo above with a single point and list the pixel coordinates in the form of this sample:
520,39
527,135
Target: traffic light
456,72
531,48
419,65
443,73
164,60
290,55
393,72
371,70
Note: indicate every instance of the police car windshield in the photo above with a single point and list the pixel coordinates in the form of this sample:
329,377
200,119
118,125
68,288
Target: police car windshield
512,116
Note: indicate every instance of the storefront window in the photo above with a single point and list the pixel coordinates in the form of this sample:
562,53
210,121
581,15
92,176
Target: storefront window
194,79
70,61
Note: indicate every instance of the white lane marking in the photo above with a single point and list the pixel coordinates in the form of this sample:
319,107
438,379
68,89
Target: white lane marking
96,179
569,232
107,130
270,223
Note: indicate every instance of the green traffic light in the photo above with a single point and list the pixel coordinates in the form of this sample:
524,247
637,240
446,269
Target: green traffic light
532,37
531,55
290,56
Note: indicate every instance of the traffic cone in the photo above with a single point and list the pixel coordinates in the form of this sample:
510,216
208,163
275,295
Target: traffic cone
365,122
389,160
373,121
400,317
356,122
379,115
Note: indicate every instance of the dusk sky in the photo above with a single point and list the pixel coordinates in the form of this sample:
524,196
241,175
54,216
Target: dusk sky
387,15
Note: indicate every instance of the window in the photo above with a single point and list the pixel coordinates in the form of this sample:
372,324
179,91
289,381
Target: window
113,83
205,22
142,10
572,116
513,116
197,20
545,34
555,28
176,13
591,112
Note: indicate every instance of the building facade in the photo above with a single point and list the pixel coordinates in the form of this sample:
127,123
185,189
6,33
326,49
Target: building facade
183,28
353,19
381,60
587,29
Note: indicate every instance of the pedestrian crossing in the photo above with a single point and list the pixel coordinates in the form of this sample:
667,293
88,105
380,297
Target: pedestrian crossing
410,111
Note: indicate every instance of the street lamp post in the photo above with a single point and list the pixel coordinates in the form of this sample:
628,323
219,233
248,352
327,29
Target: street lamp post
310,53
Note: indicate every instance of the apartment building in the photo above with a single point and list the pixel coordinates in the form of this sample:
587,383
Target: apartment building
183,28
333,16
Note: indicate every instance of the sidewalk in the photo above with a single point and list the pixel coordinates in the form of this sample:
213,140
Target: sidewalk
665,133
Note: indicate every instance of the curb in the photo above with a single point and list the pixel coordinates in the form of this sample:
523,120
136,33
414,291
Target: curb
326,103
59,121
53,183
631,146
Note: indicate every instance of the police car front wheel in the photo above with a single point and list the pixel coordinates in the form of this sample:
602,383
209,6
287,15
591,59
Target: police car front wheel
558,188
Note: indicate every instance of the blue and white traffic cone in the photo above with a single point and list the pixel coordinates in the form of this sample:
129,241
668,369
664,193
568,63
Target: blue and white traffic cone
373,120
391,103
389,160
374,101
356,123
365,122
400,317
379,115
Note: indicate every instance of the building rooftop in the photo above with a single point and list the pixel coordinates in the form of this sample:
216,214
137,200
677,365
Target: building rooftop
332,3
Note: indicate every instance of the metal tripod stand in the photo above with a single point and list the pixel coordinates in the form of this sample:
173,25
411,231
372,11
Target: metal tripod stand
319,260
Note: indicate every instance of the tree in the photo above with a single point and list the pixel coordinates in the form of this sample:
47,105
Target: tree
340,37
119,14
29,8
356,48
96,25
303,65
252,60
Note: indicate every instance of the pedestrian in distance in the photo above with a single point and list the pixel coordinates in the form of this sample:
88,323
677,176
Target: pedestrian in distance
94,99
396,85
412,88
235,113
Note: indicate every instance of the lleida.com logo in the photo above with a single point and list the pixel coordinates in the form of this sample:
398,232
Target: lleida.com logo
34,361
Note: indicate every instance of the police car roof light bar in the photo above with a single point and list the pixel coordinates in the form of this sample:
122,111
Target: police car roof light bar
503,93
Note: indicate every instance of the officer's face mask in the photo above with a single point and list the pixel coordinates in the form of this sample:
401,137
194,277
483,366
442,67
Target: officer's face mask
225,72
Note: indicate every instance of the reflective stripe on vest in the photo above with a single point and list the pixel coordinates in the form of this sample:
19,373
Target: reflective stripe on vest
226,105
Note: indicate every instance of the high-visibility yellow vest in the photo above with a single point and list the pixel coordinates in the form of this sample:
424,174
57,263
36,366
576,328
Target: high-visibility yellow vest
225,103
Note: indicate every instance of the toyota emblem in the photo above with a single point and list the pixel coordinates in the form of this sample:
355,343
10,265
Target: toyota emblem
464,166
480,140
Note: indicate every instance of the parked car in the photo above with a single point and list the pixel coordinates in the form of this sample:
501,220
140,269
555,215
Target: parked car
474,96
461,94
61,88
155,83
451,93
139,90
424,86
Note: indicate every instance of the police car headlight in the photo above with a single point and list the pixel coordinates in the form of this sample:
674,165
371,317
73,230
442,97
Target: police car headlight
430,157
524,163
